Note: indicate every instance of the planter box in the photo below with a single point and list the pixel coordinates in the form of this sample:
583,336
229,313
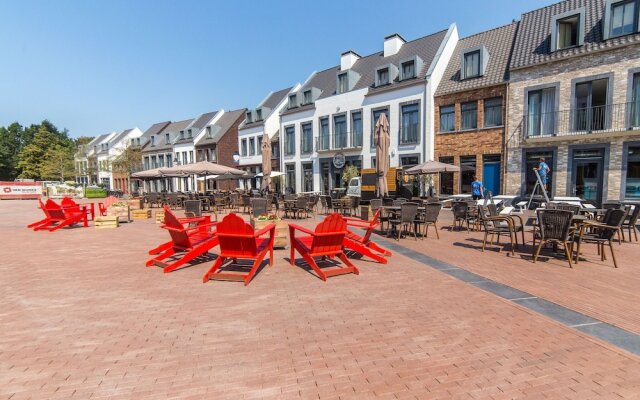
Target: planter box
142,214
106,222
122,212
282,231
160,217
136,204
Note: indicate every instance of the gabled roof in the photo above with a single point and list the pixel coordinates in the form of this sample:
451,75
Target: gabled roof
203,120
222,126
120,136
425,47
156,128
178,126
533,41
498,42
271,102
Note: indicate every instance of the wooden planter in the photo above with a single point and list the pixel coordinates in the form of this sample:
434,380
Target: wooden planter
160,217
122,212
142,214
136,203
282,231
106,222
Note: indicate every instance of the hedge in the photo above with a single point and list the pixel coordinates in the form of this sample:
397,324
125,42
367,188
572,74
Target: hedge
95,193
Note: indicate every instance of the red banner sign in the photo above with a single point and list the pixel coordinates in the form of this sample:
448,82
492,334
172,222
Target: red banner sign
20,190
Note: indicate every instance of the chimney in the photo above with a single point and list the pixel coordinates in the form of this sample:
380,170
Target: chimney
347,59
392,44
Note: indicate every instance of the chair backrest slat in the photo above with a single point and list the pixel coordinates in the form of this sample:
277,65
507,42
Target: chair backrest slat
236,236
333,229
554,223
178,233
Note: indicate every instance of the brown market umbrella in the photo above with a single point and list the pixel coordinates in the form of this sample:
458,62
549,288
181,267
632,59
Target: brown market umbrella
266,162
382,141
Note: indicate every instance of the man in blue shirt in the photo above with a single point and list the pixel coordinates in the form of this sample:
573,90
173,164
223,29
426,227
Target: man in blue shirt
476,189
543,170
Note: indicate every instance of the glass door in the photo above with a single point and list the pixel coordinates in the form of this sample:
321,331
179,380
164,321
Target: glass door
591,105
587,174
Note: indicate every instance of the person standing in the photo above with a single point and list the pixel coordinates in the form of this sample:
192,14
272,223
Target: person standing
477,190
543,170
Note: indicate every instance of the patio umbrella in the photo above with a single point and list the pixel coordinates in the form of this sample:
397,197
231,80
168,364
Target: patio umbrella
201,168
382,141
266,162
432,167
148,174
273,174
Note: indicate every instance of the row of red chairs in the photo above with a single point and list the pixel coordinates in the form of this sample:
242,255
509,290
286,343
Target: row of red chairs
57,216
194,237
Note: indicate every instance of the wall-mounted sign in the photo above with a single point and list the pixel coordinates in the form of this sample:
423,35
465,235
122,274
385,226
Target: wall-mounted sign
20,190
338,161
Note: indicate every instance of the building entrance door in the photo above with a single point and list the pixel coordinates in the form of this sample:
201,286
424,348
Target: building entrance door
491,175
588,166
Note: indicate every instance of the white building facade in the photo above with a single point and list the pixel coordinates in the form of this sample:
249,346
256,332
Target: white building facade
328,123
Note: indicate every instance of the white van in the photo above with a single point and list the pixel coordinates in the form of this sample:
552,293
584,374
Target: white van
354,188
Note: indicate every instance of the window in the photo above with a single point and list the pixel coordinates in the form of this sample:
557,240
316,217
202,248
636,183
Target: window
181,134
356,129
289,140
146,163
243,147
635,101
409,160
446,178
290,177
493,112
623,18
410,124
307,97
307,177
568,31
532,160
467,174
472,64
248,118
189,133
169,159
259,114
375,116
540,117
324,134
343,83
383,77
154,162
208,131
632,187
259,148
153,140
190,156
591,111
307,138
340,131
469,115
252,146
293,101
408,69
161,160
167,138
275,150
447,118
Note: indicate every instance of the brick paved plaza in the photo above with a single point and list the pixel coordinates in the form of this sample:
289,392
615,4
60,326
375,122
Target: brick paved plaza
82,318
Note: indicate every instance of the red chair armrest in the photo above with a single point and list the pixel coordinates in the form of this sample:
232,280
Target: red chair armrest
268,228
294,227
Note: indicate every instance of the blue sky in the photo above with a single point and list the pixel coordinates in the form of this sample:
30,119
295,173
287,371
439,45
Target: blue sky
97,66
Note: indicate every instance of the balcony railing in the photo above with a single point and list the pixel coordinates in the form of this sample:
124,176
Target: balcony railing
343,141
580,121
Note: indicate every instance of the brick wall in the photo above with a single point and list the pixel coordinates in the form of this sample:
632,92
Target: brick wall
616,62
477,142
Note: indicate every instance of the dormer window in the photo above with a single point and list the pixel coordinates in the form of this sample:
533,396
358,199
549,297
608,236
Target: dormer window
181,134
293,101
153,140
343,83
167,138
383,77
248,119
620,18
208,131
189,133
408,69
259,114
306,96
567,29
472,64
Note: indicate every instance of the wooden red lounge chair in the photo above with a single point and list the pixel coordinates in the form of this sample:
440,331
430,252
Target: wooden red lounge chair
191,236
57,217
238,240
325,241
363,244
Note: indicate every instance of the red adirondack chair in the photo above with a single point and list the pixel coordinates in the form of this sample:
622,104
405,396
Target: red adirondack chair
363,244
238,240
57,217
325,241
191,236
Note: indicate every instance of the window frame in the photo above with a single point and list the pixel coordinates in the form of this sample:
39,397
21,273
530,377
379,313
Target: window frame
373,122
286,141
321,134
453,113
608,17
307,99
352,129
472,102
484,112
252,146
580,12
243,147
339,88
415,103
293,97
465,57
304,125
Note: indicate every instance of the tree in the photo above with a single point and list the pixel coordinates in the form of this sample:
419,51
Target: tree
128,162
350,171
30,158
83,140
57,163
10,146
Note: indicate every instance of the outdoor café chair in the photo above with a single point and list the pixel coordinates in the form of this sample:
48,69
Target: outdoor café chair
238,240
363,244
602,233
405,219
258,207
429,218
193,206
326,241
554,227
496,226
376,204
190,237
516,221
300,206
461,214
630,223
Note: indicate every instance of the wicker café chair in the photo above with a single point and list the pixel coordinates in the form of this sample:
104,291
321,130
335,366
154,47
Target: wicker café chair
461,215
429,218
631,222
554,227
603,233
496,226
406,218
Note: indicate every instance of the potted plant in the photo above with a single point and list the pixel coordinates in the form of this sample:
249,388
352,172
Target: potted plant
282,228
121,210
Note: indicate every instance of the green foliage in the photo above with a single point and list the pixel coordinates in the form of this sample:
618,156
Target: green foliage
57,163
349,172
10,145
129,161
95,193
